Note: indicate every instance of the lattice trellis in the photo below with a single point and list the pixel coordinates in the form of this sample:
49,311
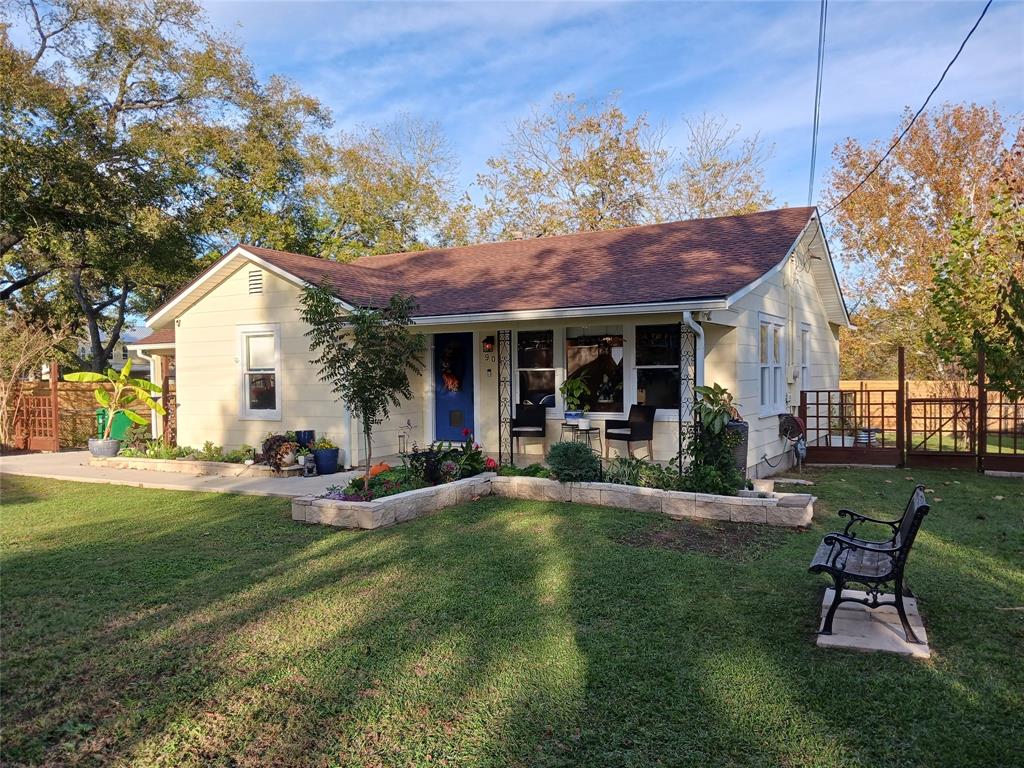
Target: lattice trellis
687,384
505,397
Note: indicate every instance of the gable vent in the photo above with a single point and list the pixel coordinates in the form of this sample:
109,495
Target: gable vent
255,281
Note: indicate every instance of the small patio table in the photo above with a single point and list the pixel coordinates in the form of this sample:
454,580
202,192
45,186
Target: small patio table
582,435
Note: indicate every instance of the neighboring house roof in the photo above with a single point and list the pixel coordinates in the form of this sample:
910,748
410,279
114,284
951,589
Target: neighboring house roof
654,264
162,336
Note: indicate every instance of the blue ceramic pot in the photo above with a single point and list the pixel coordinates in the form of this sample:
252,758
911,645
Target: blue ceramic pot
326,460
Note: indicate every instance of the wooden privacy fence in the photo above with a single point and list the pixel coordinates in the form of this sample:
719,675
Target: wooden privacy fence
71,406
944,424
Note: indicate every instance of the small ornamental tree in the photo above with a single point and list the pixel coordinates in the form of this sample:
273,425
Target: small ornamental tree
979,294
365,355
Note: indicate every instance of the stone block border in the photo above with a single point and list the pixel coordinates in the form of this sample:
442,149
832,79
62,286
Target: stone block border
766,508
193,467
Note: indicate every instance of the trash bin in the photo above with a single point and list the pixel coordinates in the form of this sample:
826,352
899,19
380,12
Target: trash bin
121,424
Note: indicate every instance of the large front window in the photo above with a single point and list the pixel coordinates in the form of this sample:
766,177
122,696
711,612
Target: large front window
657,366
260,374
535,361
594,354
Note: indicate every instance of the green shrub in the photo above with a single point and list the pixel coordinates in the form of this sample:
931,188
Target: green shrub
703,478
531,470
155,449
386,483
210,452
239,455
573,463
628,470
433,463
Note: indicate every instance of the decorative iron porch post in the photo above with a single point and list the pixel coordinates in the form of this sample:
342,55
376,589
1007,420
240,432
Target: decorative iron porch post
687,386
505,397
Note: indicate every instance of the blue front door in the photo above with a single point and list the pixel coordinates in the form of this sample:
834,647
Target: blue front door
453,385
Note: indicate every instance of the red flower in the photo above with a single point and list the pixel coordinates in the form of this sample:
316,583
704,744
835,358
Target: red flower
490,464
466,432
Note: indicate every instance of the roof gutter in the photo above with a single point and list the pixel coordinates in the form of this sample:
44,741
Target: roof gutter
696,305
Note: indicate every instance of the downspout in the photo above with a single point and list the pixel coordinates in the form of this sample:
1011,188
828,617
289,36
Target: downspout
698,352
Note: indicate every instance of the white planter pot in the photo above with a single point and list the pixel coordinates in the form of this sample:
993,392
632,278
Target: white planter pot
583,423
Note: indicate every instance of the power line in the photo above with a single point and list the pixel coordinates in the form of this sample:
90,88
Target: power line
822,19
917,114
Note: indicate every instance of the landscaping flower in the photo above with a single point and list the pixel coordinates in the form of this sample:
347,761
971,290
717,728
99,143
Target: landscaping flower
490,464
466,432
449,470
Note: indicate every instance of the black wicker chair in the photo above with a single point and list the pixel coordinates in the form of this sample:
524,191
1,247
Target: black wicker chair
638,428
529,421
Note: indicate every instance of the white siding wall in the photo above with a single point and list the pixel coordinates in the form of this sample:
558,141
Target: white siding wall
209,371
792,295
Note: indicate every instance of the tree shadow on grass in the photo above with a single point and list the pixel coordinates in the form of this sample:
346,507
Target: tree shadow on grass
696,659
357,648
219,632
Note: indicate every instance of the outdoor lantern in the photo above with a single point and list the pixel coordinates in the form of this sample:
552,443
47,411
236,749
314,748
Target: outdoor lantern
488,344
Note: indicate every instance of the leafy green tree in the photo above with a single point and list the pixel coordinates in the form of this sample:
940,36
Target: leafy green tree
381,189
579,167
135,143
576,167
365,355
717,173
892,227
979,293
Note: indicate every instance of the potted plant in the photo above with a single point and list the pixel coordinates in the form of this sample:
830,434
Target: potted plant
717,413
574,390
279,451
325,454
302,454
126,391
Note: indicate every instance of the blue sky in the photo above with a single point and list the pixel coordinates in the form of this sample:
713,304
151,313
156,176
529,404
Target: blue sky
476,67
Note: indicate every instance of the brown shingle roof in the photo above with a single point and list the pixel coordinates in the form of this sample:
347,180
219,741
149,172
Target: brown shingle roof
676,261
163,336
701,258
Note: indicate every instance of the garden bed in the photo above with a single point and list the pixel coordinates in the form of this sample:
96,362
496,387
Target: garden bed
766,508
196,467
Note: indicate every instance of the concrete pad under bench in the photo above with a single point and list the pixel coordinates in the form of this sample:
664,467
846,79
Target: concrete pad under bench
859,628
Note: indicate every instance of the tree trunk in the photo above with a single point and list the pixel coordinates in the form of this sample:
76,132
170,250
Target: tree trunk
93,314
366,475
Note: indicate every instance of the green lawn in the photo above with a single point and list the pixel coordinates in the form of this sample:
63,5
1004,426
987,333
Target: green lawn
162,628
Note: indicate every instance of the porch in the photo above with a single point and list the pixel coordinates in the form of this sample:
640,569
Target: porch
476,378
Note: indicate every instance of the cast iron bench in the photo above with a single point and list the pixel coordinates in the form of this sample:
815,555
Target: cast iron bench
874,564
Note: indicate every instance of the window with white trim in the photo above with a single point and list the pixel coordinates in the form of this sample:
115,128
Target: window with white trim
595,354
535,364
261,373
772,356
657,365
805,356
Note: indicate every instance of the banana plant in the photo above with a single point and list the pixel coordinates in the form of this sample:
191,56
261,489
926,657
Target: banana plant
126,391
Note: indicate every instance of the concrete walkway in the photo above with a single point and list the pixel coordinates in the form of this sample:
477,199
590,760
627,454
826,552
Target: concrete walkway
74,465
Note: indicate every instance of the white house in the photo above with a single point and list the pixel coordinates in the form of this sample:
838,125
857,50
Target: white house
750,302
